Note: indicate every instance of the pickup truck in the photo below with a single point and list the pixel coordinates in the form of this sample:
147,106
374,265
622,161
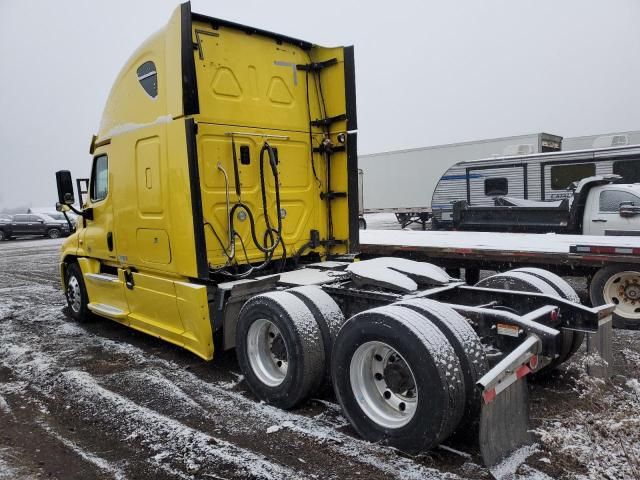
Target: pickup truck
28,224
598,206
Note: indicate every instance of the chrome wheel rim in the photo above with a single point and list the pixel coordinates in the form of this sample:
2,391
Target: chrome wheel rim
383,384
74,295
267,352
623,289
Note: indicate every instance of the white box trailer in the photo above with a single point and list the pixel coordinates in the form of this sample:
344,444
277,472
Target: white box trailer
403,181
603,140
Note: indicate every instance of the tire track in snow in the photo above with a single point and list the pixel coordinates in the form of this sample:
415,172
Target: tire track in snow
100,463
168,440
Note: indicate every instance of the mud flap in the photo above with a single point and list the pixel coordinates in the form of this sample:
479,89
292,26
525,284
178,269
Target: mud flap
504,423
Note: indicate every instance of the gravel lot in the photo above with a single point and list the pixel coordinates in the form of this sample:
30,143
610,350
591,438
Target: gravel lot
98,400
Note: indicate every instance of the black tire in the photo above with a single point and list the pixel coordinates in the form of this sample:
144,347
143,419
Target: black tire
526,282
54,233
3,236
362,224
597,294
465,342
78,311
302,339
566,291
327,314
432,362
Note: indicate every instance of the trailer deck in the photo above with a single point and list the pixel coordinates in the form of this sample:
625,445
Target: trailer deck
491,249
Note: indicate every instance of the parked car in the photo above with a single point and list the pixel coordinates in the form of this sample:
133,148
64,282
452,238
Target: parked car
27,224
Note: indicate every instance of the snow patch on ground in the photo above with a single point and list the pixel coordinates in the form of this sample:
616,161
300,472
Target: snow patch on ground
606,444
7,471
4,406
506,469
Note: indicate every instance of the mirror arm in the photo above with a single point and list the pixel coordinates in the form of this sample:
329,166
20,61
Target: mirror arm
71,229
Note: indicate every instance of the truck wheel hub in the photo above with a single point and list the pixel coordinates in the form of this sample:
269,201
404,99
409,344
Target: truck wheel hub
385,385
267,352
74,295
398,377
278,348
623,289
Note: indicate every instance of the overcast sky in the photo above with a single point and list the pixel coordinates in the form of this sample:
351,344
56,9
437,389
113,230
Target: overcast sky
428,72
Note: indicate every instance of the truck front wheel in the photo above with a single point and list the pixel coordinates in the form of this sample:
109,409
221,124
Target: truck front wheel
620,285
76,293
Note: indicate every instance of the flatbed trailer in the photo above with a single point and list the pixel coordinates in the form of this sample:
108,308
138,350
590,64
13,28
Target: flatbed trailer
610,264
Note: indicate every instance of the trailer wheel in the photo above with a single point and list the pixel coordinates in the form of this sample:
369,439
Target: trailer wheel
76,293
526,282
566,291
465,342
327,314
362,223
397,378
279,348
618,284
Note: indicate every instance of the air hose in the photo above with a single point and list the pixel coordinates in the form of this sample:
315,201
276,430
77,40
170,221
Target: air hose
272,236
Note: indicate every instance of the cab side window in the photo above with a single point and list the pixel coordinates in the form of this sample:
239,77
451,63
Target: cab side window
610,200
99,178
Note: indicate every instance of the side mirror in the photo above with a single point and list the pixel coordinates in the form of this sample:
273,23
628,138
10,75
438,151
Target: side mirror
628,209
65,187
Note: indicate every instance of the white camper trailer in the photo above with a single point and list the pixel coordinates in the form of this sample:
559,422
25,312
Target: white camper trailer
539,177
403,181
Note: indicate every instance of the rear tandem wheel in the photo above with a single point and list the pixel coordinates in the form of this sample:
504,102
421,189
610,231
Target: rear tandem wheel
279,348
540,281
397,378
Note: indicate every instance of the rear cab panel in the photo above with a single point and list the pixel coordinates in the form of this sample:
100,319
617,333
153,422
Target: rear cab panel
186,95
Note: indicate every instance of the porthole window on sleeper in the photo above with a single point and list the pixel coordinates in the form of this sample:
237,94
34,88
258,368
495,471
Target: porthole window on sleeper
148,78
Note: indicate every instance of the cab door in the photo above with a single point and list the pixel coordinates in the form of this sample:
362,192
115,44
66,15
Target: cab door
604,209
98,236
105,284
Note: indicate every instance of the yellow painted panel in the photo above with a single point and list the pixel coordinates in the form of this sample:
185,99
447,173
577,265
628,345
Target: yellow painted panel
194,311
148,176
250,80
153,246
103,292
153,308
299,190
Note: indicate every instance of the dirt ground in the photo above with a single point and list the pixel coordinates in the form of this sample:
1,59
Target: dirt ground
98,400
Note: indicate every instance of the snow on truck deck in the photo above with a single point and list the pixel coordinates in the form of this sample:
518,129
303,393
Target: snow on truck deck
518,242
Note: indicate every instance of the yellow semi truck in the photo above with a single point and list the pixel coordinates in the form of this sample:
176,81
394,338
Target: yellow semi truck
222,213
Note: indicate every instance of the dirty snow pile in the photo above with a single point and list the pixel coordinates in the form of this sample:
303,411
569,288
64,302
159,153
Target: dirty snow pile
601,436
